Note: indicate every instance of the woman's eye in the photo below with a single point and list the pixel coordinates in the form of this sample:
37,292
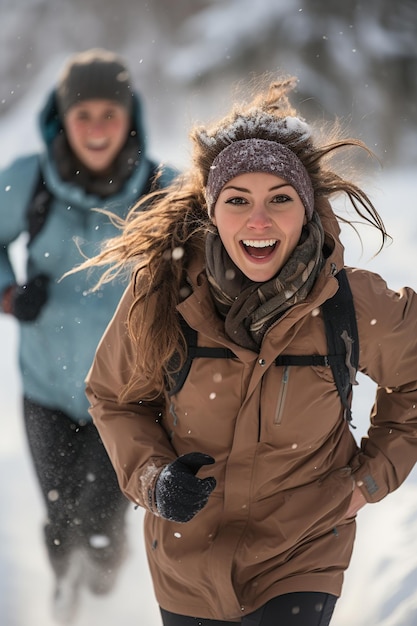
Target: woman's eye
282,197
236,200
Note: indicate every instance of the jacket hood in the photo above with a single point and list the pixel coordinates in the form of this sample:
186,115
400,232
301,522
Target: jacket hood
334,249
50,122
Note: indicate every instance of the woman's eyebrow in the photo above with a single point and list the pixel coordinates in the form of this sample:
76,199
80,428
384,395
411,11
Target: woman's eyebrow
248,190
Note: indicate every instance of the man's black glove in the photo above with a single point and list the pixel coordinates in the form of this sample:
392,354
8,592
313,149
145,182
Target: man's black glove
179,494
25,302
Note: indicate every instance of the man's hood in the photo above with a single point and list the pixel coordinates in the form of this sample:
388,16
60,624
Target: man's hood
50,122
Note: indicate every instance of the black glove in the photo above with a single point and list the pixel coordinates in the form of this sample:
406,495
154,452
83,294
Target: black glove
179,494
27,301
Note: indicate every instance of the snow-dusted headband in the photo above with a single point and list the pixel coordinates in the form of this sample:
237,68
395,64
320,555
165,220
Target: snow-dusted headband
259,155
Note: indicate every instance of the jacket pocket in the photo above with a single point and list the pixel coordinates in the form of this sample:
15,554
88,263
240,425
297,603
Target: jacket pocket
279,410
314,509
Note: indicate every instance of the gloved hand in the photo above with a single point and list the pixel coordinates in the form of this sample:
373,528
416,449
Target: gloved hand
25,302
179,494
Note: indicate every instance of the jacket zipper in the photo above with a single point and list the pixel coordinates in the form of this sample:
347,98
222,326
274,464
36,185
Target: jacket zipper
282,395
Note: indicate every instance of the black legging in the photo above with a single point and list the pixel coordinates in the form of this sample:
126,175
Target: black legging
292,609
79,486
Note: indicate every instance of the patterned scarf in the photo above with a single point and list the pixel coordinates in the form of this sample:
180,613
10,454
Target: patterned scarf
103,185
249,308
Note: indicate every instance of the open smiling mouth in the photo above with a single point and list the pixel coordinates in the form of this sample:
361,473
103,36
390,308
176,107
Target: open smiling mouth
98,145
259,249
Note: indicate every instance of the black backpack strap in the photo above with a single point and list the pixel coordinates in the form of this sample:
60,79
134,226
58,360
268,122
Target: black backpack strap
342,338
193,352
342,343
40,202
314,360
38,208
152,180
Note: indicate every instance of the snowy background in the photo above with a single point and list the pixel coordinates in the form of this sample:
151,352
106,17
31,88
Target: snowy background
358,62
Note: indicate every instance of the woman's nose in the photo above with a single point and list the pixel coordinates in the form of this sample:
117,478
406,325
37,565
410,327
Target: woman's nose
259,218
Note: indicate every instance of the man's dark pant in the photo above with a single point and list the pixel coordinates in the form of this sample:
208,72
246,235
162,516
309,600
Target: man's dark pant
85,507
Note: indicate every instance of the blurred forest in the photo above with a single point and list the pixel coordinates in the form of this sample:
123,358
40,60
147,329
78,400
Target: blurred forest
356,60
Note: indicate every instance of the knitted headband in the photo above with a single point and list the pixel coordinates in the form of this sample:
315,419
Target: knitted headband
259,155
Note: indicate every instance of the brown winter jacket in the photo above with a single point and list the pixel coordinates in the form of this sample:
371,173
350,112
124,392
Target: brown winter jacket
285,459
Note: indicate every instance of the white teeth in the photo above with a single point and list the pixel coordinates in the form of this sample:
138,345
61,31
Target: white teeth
99,143
256,243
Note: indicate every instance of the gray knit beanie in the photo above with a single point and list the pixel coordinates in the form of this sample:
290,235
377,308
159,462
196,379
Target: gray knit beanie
91,75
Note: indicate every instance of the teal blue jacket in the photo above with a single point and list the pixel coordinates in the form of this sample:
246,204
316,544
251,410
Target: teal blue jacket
57,349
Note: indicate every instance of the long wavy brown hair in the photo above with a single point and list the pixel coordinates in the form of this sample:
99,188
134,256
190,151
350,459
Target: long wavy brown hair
156,244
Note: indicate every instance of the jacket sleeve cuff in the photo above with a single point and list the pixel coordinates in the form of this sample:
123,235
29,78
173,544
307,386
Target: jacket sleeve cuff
148,482
372,484
370,488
